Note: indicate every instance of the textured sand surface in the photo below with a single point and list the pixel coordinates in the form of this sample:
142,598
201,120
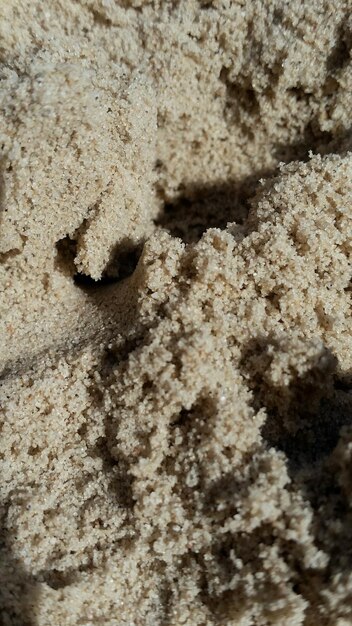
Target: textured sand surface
175,313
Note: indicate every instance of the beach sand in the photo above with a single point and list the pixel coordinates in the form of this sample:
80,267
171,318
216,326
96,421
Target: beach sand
175,313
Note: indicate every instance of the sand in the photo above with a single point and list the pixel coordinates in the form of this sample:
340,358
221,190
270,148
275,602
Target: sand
175,313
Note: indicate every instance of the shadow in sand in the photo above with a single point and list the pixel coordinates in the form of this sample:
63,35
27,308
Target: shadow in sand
200,207
122,263
313,140
340,54
305,421
18,590
304,418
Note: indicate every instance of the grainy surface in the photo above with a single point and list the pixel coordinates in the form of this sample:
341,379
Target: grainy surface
175,328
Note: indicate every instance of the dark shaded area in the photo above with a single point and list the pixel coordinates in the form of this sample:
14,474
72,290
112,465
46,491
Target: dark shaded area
209,206
315,140
85,281
315,441
304,418
2,187
99,17
5,256
200,207
225,491
165,600
58,580
182,418
122,264
126,262
344,383
305,421
340,54
18,594
115,468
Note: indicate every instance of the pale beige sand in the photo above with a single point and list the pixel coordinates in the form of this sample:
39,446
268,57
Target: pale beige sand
175,313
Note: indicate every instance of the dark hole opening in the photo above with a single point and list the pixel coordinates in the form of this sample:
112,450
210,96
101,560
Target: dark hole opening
121,266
